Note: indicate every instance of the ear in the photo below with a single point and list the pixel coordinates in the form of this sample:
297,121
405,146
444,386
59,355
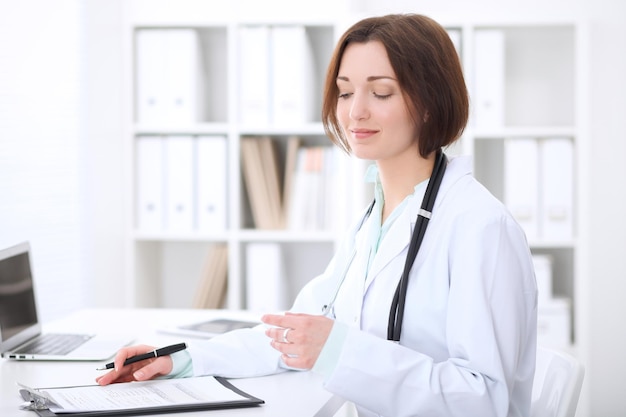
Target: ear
426,116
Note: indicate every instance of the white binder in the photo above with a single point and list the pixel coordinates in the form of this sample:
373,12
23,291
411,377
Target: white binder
179,183
543,274
265,278
168,76
184,75
557,194
254,78
150,76
293,76
521,182
554,323
149,186
489,78
456,37
211,175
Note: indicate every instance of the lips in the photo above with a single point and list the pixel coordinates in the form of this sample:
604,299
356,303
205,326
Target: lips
363,133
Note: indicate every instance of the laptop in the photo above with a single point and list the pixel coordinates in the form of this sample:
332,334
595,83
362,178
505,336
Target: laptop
21,335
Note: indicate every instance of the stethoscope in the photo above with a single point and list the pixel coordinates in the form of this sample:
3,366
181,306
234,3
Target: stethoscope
396,313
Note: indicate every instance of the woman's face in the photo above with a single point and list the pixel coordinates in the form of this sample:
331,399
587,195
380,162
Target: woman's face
371,108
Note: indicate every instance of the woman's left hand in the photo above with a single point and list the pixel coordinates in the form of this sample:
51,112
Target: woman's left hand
305,336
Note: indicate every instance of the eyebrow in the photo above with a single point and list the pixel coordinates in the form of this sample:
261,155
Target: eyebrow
370,78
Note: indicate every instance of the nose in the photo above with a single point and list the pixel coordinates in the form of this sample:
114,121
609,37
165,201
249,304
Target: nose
359,107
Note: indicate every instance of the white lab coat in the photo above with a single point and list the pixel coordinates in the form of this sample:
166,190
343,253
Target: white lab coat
469,331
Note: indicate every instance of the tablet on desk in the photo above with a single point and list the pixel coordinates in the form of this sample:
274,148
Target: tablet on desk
210,328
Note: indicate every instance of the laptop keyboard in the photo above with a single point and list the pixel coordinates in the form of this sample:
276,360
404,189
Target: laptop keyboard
54,344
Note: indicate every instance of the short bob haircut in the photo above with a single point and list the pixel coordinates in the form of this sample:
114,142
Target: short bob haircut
428,70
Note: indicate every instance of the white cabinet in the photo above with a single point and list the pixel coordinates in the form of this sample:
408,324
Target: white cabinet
525,134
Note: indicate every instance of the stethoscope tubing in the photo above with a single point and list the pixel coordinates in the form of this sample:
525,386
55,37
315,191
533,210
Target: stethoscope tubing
396,314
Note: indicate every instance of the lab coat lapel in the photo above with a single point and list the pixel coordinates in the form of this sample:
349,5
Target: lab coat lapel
399,235
395,241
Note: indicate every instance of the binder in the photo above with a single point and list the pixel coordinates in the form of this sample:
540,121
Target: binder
291,159
521,182
265,278
543,275
254,78
557,193
292,73
150,76
304,193
489,78
211,290
183,76
211,175
456,38
179,184
262,180
554,323
169,75
185,394
149,186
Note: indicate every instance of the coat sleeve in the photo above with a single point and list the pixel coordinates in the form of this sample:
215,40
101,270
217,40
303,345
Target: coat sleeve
247,352
490,335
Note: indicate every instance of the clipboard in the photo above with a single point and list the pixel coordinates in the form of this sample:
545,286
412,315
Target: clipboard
40,401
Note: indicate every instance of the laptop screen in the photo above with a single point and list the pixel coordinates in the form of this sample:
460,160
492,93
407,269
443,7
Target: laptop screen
17,297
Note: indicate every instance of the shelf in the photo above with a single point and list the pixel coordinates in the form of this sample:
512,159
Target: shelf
537,91
180,237
529,131
314,128
287,236
181,129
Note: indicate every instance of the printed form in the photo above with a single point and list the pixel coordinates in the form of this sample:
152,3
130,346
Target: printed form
160,393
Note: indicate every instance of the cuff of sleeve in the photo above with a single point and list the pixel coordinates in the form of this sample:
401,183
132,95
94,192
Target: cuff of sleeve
329,356
181,365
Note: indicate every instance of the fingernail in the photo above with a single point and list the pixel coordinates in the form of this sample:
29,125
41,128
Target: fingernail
138,375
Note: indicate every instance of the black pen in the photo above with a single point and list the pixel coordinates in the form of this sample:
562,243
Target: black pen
164,351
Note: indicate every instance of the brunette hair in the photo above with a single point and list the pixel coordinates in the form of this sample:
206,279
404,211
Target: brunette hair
428,70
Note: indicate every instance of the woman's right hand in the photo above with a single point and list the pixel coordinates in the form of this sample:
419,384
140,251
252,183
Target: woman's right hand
138,371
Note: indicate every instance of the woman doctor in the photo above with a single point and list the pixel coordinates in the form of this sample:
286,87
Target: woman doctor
465,335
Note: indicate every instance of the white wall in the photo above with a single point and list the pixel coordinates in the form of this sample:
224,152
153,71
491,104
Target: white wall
40,184
607,208
103,157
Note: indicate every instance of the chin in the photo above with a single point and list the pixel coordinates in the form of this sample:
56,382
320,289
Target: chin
362,152
364,155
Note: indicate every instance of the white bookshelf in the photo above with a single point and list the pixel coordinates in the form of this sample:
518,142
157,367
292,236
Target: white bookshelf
165,266
543,89
542,99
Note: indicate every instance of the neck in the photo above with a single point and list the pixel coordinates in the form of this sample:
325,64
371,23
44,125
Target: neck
399,178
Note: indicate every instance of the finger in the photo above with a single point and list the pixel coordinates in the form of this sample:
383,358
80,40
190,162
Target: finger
155,367
114,377
274,320
297,362
121,373
274,333
288,351
128,352
289,320
282,335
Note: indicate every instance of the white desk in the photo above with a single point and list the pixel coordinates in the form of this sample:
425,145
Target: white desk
289,394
